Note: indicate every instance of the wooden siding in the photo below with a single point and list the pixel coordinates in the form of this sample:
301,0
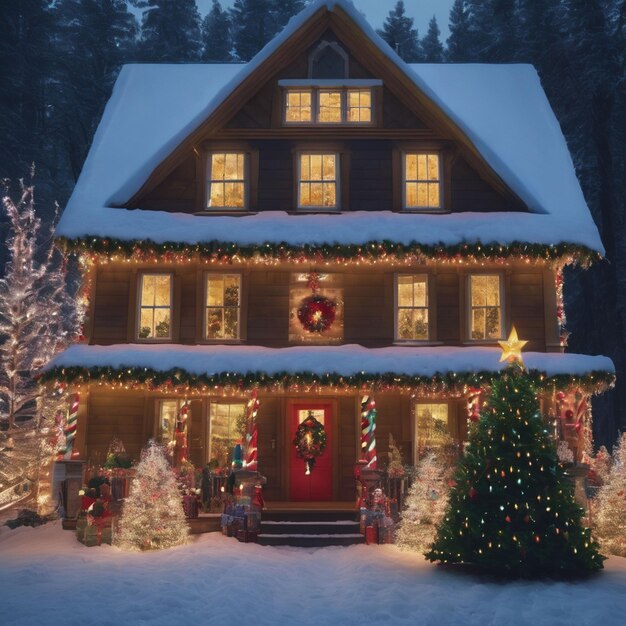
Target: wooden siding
368,304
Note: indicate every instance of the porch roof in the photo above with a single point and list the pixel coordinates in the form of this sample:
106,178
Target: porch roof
342,366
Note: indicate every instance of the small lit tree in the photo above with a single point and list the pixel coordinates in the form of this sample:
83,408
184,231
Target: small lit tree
152,517
425,505
610,521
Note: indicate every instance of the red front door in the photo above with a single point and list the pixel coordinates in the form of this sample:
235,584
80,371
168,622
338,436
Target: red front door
318,485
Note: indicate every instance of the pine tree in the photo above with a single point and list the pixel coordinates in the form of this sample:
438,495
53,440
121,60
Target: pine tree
610,520
461,39
284,10
253,26
495,26
152,517
216,35
425,505
170,31
512,509
93,38
432,48
399,33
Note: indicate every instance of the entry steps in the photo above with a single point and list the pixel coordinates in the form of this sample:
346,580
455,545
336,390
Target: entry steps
309,528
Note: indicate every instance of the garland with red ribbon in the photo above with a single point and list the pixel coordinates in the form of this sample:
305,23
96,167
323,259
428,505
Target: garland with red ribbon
310,441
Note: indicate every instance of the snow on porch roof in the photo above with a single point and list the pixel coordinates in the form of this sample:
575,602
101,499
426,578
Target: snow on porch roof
346,360
501,108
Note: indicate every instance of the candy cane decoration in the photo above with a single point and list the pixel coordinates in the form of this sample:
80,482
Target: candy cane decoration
368,431
252,432
70,426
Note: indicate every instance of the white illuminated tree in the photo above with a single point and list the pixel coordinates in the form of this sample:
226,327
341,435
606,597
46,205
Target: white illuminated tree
610,521
425,505
153,517
37,319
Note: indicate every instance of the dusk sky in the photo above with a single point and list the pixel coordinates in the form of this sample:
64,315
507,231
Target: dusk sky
376,10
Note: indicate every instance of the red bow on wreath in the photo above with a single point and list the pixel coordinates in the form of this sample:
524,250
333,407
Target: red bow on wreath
310,441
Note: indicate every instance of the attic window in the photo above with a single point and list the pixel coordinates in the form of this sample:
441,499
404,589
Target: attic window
328,103
328,60
422,180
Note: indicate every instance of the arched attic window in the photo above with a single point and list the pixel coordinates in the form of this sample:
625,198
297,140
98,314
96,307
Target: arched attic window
328,60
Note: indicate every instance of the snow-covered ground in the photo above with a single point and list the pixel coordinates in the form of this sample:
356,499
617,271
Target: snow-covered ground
47,577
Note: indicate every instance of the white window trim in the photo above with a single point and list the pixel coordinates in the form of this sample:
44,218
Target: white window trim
318,209
246,181
468,317
397,339
316,88
424,209
138,307
205,306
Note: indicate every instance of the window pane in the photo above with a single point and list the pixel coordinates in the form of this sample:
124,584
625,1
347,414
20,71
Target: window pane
167,420
316,167
227,426
330,106
298,107
146,324
492,322
422,194
328,167
410,161
305,194
420,297
359,105
162,323
411,194
234,195
217,195
147,290
420,324
163,291
433,167
433,195
316,190
478,324
214,323
421,167
432,427
405,291
217,166
223,301
305,167
405,324
329,195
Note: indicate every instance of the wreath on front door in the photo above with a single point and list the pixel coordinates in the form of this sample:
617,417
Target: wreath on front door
310,441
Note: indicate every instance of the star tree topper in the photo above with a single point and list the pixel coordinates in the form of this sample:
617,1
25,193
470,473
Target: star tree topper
512,348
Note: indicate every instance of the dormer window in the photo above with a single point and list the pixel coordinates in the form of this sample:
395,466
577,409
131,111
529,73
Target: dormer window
318,177
329,102
227,178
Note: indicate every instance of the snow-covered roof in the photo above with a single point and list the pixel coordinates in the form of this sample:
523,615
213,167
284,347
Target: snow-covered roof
502,109
346,360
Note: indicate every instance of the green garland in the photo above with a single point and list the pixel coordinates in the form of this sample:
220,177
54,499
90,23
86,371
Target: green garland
372,250
594,381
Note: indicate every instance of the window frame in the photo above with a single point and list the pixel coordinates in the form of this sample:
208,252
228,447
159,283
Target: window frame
338,186
470,308
343,87
452,421
180,401
209,418
428,307
138,307
206,209
428,153
205,277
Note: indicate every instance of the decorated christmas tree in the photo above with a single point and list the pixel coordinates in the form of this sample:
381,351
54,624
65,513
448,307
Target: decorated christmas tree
425,505
610,521
153,516
512,510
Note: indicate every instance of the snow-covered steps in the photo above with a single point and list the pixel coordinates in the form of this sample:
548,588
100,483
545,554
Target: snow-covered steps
309,528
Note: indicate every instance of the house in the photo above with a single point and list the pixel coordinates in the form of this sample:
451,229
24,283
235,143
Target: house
319,231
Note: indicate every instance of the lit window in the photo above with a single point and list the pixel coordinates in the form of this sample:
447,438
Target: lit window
422,181
359,105
227,180
168,414
298,106
412,307
317,181
223,302
227,427
432,431
329,111
485,307
155,306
